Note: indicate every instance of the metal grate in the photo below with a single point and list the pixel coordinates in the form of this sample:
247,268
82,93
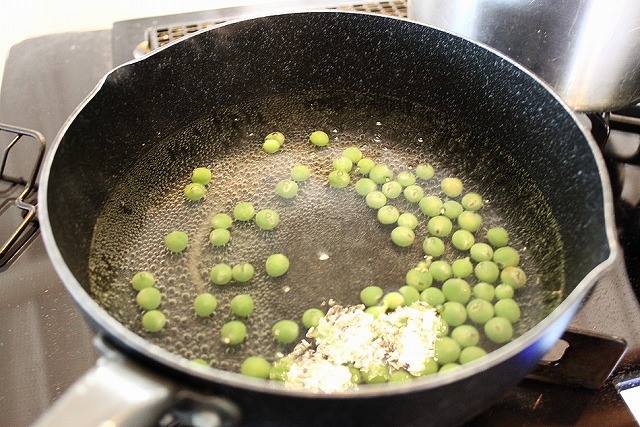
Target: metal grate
391,8
161,35
18,211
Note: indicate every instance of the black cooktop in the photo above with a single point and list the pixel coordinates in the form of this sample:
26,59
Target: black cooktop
45,344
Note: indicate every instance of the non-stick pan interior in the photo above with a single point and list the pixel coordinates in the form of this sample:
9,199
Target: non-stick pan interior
334,241
125,157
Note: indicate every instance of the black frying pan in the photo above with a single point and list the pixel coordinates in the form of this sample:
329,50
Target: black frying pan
408,93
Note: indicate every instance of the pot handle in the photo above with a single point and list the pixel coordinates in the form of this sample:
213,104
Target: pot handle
117,392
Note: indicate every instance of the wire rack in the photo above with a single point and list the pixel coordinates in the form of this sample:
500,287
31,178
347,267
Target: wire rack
18,203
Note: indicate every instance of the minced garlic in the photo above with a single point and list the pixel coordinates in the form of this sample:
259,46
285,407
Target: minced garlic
347,336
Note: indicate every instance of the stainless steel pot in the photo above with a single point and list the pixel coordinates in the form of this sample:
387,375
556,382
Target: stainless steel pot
587,50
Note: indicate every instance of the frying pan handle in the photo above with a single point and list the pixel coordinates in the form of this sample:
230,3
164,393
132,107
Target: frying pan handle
116,392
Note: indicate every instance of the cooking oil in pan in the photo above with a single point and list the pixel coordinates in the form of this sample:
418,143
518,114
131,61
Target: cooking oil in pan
333,240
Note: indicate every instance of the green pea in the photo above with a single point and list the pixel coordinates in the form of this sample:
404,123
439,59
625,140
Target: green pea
453,313
243,211
365,186
376,373
199,362
300,173
466,335
462,268
280,369
447,350
311,317
487,271
433,246
440,270
256,366
388,214
399,376
402,236
506,256
480,311
430,367
233,332
267,219
410,294
408,220
380,174
277,265
499,330
472,201
469,354
194,191
242,272
221,220
142,279
424,171
449,367
432,296
504,291
456,289
220,274
376,310
406,178
149,298
201,176
371,295
287,189
219,237
393,300
277,136
342,163
270,146
419,278
176,241
375,199
439,226
242,305
431,205
413,193
462,240
444,326
470,221
484,291
481,252
339,179
507,308
285,331
205,304
392,189
513,276
153,321
452,187
498,237
319,138
451,209
352,153
365,165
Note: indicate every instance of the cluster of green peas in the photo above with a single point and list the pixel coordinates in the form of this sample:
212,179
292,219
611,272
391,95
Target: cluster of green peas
464,308
234,332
